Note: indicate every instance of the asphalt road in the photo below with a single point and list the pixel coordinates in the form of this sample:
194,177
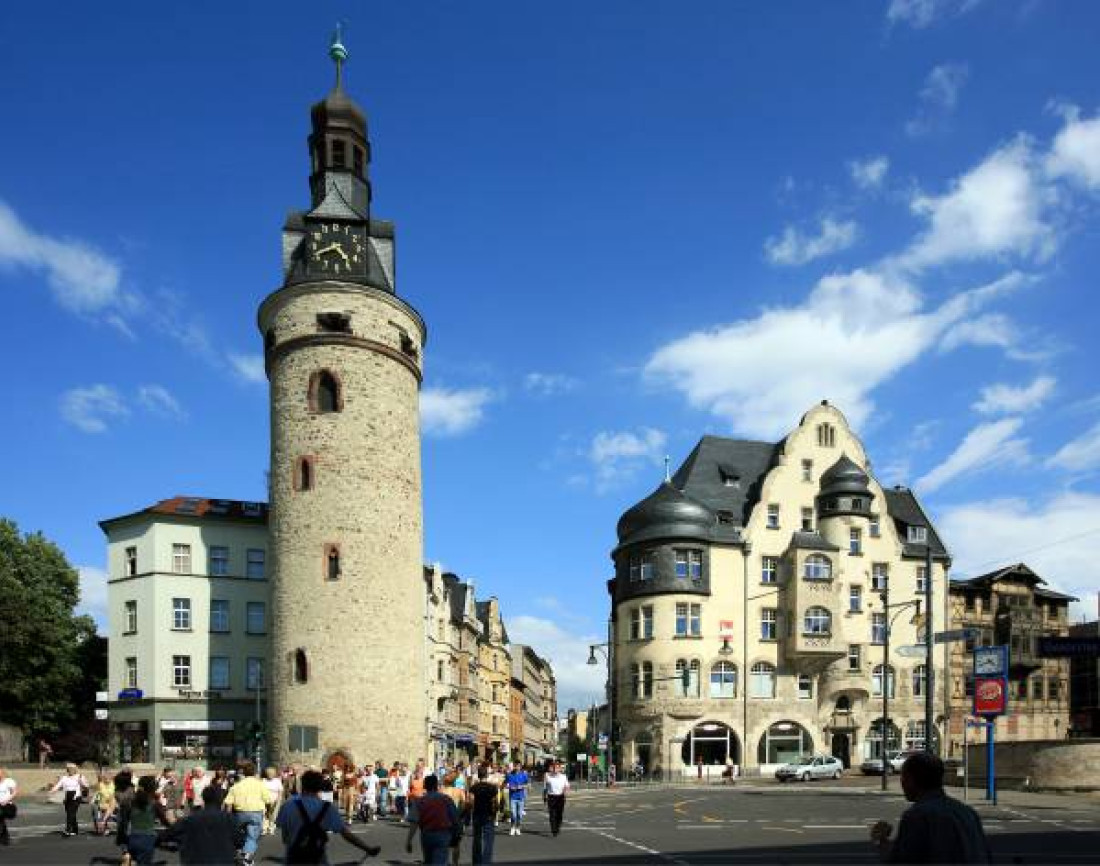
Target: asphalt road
691,826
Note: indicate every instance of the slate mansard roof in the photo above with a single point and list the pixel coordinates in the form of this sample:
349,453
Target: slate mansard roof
712,494
1020,570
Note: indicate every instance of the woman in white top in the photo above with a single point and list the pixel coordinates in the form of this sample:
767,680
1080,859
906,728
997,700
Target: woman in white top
275,786
8,790
74,785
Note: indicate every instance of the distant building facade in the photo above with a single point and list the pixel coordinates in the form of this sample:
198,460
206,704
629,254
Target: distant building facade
188,600
747,622
1084,689
1011,606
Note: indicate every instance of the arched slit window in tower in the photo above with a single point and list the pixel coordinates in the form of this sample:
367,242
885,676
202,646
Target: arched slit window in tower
332,562
303,474
301,666
357,160
339,153
325,394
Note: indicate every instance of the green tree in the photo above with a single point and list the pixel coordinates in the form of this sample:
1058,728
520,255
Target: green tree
42,641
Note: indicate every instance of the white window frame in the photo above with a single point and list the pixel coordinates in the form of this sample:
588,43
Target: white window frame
817,621
223,682
916,534
855,654
922,579
130,615
874,528
680,558
855,541
649,566
181,559
130,559
130,673
681,619
181,614
880,576
805,687
216,605
723,680
769,622
807,470
855,598
807,517
695,564
695,620
253,671
249,612
769,568
256,563
773,515
891,681
218,560
817,567
762,681
878,629
181,672
918,680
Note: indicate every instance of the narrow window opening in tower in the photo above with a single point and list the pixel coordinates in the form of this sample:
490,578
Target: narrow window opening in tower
332,564
357,160
339,154
301,666
305,473
328,392
269,340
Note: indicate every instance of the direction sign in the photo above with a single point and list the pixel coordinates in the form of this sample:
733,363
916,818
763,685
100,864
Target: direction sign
913,651
955,635
1071,647
101,714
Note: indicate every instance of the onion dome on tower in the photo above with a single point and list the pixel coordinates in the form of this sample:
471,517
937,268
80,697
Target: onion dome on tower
845,489
668,512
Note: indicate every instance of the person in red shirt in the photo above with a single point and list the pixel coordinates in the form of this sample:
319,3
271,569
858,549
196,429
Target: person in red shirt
436,817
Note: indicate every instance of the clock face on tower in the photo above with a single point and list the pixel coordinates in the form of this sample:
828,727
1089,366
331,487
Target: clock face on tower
337,249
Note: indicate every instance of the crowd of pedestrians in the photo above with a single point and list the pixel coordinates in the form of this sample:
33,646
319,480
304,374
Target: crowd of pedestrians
220,815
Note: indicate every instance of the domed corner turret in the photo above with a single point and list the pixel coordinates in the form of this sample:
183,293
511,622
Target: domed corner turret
845,489
667,513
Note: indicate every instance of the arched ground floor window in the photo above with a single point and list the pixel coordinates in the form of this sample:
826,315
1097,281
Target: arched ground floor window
872,743
713,743
784,742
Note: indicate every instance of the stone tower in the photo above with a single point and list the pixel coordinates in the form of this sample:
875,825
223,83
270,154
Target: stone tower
343,358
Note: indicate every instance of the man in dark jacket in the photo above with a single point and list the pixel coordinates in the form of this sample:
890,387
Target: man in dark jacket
936,828
207,835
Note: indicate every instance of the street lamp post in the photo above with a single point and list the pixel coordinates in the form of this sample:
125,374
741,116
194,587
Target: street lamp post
928,657
608,650
887,680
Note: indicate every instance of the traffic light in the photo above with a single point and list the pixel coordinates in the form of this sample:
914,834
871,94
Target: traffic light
255,731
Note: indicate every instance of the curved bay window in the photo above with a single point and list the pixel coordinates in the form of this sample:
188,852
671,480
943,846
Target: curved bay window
723,680
710,744
784,742
817,567
877,681
817,620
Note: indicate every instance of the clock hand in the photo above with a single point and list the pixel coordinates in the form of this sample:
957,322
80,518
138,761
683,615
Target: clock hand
323,250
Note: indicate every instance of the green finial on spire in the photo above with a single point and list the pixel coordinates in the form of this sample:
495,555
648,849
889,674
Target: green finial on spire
338,53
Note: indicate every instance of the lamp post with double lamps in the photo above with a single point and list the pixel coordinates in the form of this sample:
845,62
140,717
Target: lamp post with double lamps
887,680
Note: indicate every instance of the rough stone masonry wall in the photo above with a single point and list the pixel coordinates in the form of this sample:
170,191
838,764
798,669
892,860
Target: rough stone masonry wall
367,696
1043,764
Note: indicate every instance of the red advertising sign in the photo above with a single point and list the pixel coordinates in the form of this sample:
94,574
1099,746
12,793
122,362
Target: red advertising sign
725,629
990,698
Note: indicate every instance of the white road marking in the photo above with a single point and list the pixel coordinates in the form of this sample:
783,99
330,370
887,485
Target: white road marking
835,826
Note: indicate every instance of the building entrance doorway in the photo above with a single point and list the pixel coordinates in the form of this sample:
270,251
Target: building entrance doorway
713,743
842,749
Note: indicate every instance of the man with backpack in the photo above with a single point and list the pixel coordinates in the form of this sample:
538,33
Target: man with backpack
306,820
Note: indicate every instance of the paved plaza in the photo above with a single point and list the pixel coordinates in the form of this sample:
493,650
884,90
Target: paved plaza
752,823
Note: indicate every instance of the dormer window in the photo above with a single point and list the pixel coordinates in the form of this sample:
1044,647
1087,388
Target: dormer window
917,535
725,518
826,435
730,476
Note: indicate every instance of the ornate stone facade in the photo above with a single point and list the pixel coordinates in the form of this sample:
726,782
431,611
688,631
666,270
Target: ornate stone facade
746,611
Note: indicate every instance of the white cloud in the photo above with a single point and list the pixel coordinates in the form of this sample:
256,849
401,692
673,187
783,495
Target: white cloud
938,98
990,444
249,367
794,247
1058,537
447,412
159,400
990,329
1000,399
549,384
1075,151
91,409
869,173
93,595
579,683
1080,455
922,13
995,209
83,279
854,332
618,456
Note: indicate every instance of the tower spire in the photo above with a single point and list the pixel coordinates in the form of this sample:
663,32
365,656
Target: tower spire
668,468
338,53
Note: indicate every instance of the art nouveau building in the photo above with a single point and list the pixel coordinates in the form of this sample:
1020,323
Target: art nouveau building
757,569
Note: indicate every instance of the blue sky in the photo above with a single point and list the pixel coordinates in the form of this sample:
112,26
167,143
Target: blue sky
627,224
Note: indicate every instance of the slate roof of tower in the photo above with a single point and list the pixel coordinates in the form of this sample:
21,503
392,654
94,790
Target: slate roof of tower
903,507
483,615
703,476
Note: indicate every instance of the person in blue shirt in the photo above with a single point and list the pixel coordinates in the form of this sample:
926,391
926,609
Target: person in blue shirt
306,820
517,784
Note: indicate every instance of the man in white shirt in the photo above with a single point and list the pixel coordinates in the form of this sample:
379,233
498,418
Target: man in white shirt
8,790
370,794
555,786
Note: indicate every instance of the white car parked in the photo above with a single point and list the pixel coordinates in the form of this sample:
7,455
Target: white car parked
805,769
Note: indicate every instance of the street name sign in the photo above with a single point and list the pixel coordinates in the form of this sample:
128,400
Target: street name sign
913,651
1069,647
955,635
